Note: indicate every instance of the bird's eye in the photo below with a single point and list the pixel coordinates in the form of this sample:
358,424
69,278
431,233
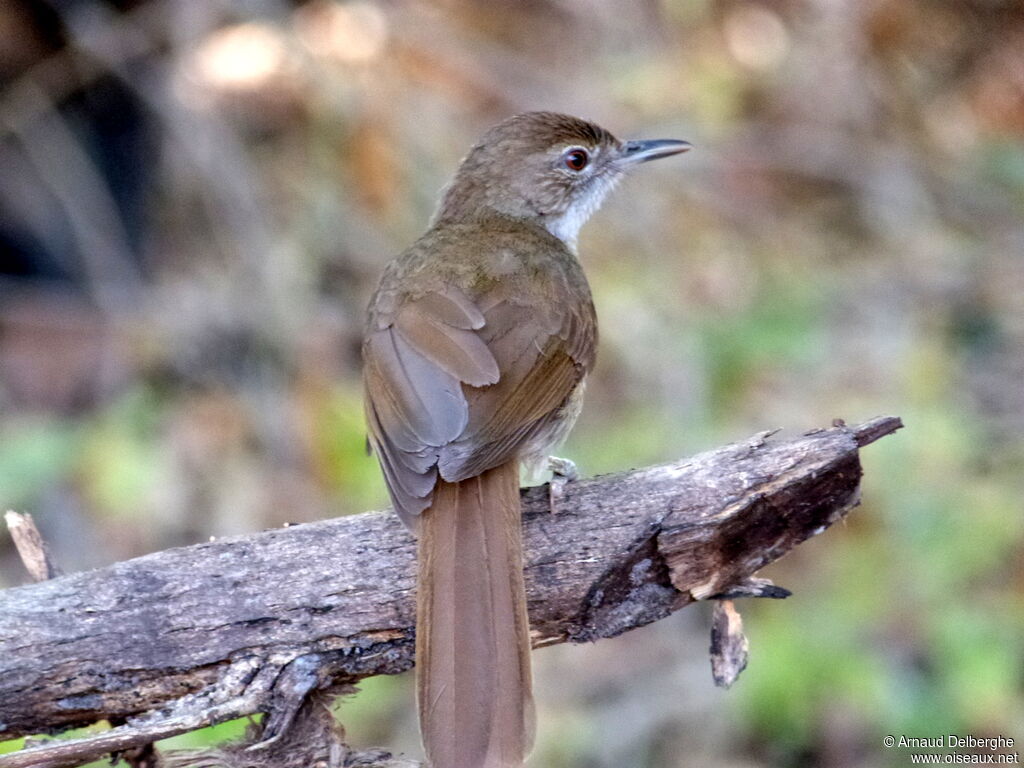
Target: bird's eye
576,159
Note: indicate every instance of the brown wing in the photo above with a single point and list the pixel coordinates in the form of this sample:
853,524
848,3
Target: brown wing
455,386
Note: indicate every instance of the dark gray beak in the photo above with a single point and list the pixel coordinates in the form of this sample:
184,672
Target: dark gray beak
641,151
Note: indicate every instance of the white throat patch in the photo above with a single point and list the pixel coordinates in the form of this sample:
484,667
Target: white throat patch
566,227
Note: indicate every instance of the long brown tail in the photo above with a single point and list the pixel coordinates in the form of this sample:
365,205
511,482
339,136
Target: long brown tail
472,633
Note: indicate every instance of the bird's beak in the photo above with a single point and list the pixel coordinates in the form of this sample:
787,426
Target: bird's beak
634,152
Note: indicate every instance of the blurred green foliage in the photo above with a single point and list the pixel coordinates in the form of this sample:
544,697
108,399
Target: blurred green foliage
119,458
846,240
36,452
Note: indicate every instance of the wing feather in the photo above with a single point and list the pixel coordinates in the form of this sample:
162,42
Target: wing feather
459,352
457,385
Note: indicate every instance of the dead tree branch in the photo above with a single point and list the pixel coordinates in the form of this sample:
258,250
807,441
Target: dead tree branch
31,548
184,638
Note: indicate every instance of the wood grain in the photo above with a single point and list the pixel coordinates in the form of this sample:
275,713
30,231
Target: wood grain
179,639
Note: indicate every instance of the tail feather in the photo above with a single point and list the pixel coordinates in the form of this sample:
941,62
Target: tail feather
472,638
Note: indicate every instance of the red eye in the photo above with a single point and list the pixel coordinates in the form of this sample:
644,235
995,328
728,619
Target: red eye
576,159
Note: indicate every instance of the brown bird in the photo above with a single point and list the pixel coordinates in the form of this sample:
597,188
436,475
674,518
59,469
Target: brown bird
478,343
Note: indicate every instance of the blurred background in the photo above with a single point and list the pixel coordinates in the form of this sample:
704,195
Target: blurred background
196,199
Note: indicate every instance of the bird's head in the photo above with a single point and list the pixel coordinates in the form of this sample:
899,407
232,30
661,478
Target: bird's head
547,168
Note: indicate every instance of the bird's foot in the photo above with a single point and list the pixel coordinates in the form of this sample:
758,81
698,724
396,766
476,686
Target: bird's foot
564,472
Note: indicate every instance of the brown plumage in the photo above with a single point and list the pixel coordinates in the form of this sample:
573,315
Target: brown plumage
475,699
477,344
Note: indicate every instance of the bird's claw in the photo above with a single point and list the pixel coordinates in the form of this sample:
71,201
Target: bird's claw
564,471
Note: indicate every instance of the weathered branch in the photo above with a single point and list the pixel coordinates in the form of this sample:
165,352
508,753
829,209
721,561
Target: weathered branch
180,639
31,548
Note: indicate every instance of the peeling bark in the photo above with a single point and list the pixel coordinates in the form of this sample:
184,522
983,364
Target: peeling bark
184,638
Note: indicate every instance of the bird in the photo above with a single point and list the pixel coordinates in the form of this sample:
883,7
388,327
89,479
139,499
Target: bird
477,345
